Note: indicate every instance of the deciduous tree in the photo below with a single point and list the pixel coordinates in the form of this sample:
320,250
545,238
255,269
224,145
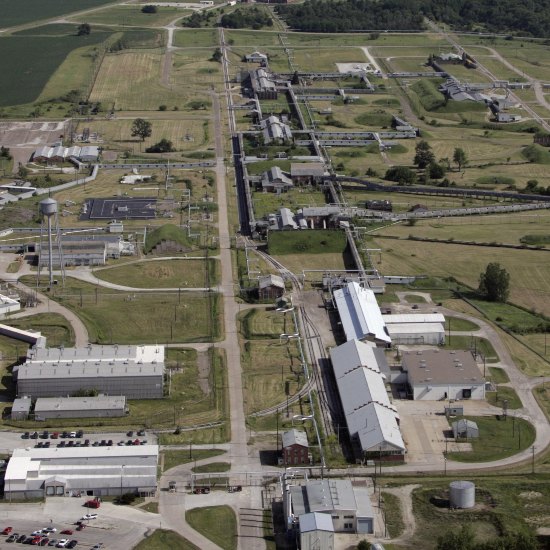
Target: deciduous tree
494,283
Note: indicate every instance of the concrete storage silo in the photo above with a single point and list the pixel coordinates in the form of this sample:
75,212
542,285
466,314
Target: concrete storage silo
462,494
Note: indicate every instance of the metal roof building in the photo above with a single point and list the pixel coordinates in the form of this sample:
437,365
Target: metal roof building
360,314
316,531
7,304
136,372
275,180
21,408
275,130
371,418
441,374
80,407
96,471
465,428
350,510
393,318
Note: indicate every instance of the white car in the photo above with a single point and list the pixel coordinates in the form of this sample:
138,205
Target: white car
62,543
89,516
49,530
72,435
36,533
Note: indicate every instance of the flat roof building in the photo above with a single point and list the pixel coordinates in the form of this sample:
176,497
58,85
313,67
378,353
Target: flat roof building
360,314
94,471
440,374
8,305
432,334
21,408
101,406
82,252
316,531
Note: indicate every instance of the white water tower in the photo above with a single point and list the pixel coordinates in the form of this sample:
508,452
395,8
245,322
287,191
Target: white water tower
48,210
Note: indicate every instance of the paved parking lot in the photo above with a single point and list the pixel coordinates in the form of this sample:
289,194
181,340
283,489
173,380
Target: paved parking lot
116,526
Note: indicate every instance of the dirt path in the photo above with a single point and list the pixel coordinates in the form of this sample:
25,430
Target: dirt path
404,494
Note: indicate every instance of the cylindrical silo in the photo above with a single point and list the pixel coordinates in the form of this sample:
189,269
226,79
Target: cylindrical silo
462,494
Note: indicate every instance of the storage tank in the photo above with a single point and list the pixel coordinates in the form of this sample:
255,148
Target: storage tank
48,207
462,494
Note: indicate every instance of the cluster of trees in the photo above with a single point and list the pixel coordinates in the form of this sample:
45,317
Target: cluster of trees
199,19
251,18
149,8
533,186
513,16
83,30
464,539
5,153
424,159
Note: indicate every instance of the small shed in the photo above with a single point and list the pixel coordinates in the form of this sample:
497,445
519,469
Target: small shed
316,531
465,429
21,408
270,287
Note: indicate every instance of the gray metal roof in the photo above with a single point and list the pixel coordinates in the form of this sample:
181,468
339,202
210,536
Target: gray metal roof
413,318
21,404
360,314
436,366
295,437
35,371
100,402
271,280
316,521
352,354
325,495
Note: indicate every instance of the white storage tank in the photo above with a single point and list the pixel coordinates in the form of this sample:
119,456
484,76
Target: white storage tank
462,494
48,207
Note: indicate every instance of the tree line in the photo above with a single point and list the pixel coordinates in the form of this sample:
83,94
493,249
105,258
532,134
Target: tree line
508,16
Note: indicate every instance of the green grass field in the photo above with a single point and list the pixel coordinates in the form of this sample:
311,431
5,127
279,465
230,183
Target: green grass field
162,274
217,523
118,317
263,324
309,242
162,539
498,438
15,12
212,467
481,345
502,395
124,15
175,458
498,375
184,38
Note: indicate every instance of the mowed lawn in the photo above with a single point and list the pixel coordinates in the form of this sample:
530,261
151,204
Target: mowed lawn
131,80
529,269
19,12
181,273
142,318
28,62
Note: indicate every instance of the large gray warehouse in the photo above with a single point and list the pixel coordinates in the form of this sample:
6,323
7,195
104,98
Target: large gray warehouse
136,372
94,471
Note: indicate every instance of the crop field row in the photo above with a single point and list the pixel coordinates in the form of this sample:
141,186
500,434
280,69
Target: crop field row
41,57
16,12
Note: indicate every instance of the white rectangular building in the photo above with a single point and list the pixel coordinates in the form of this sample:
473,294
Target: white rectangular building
101,406
441,374
372,420
360,314
94,471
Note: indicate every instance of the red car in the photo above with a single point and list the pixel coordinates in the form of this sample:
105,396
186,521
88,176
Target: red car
7,530
67,532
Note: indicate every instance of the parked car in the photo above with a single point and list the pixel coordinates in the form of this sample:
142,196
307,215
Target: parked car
110,443
67,532
79,433
72,544
55,435
81,527
26,435
62,543
52,542
141,432
86,443
45,541
45,434
72,435
130,433
97,546
22,538
7,530
34,435
49,530
37,532
13,537
89,516
65,434
61,444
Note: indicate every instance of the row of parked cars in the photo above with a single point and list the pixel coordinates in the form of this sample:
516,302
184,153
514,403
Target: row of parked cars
54,435
41,537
